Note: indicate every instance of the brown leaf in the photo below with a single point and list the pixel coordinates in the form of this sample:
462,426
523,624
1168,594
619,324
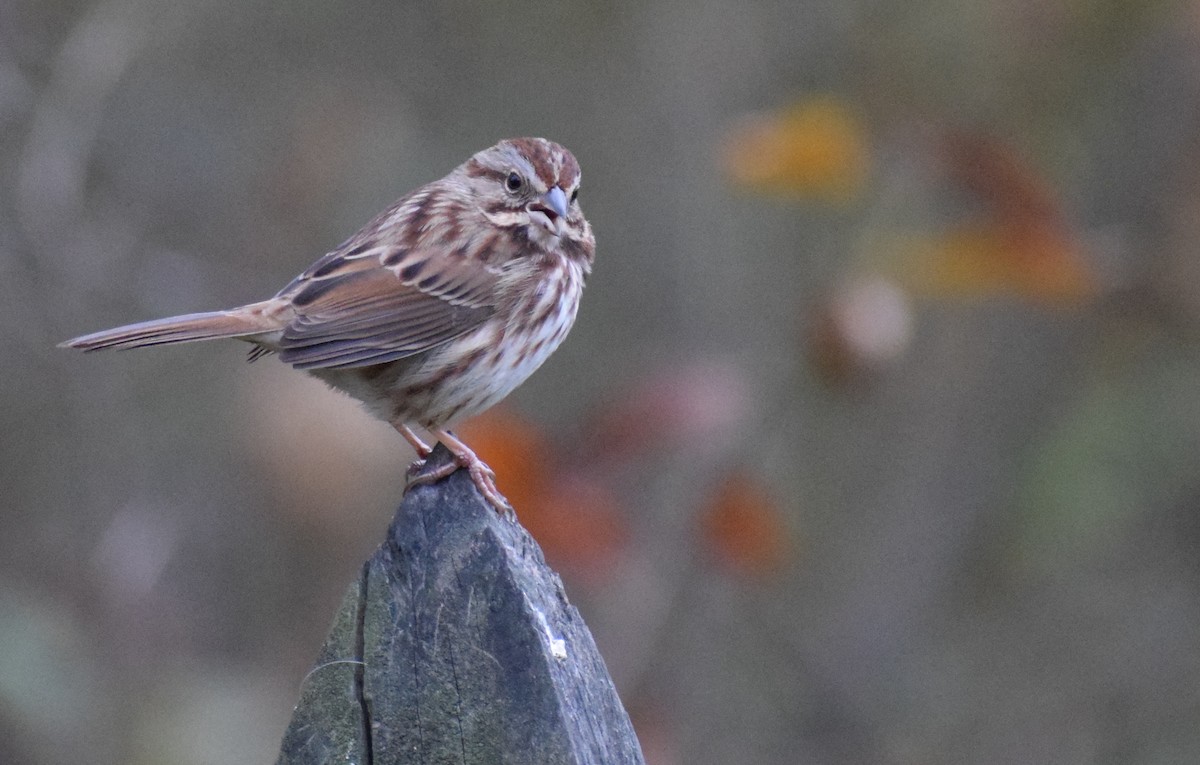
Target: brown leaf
1015,193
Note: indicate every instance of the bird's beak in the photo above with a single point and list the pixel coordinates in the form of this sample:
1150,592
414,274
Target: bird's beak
556,200
553,206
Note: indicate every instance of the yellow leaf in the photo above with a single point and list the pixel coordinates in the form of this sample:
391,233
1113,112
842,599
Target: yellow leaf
815,148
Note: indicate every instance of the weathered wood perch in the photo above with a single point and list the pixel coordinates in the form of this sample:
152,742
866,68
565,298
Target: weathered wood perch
457,645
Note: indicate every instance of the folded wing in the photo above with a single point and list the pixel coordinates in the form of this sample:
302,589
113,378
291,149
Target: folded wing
368,306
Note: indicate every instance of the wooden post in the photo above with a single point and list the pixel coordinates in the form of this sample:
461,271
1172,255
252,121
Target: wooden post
457,645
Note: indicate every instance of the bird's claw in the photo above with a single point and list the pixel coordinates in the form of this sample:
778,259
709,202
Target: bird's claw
482,476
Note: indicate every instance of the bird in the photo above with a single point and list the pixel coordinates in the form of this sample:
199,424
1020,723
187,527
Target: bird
435,310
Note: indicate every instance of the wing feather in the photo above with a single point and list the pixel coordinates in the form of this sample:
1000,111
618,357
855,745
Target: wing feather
353,308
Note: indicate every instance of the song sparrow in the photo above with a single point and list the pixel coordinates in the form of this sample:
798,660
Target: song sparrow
436,309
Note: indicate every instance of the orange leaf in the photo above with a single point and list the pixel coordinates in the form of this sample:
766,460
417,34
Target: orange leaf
576,520
513,447
984,259
816,148
744,528
579,524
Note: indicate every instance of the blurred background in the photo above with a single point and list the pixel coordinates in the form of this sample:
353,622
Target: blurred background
877,439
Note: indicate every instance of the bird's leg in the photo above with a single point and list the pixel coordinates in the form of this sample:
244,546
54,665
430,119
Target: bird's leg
483,476
420,447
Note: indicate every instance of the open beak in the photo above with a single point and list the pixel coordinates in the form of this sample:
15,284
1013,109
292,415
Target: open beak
553,208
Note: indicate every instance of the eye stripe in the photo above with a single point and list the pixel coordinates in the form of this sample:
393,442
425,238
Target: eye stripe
541,163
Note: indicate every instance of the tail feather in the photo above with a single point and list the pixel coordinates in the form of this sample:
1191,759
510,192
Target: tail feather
243,322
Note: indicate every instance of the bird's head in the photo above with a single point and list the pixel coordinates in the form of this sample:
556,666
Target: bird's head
531,184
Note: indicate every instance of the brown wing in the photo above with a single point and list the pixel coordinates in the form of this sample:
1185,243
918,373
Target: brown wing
369,304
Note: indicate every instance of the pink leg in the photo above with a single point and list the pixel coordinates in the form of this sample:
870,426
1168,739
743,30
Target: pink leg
483,476
420,447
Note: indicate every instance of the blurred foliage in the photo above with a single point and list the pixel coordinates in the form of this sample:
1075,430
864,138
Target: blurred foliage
874,443
577,520
744,528
814,148
1126,442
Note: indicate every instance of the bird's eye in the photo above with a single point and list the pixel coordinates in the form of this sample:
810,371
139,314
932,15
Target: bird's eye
514,182
574,195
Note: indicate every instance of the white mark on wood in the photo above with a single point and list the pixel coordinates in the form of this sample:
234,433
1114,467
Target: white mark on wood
558,646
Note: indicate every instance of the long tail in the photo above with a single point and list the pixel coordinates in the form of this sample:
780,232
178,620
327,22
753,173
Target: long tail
244,322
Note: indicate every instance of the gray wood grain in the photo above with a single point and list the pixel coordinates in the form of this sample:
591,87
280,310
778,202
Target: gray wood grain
458,645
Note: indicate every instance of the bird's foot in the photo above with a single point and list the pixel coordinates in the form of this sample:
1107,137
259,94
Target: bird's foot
483,476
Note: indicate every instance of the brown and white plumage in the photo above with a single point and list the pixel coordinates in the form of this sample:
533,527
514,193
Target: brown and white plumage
437,308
